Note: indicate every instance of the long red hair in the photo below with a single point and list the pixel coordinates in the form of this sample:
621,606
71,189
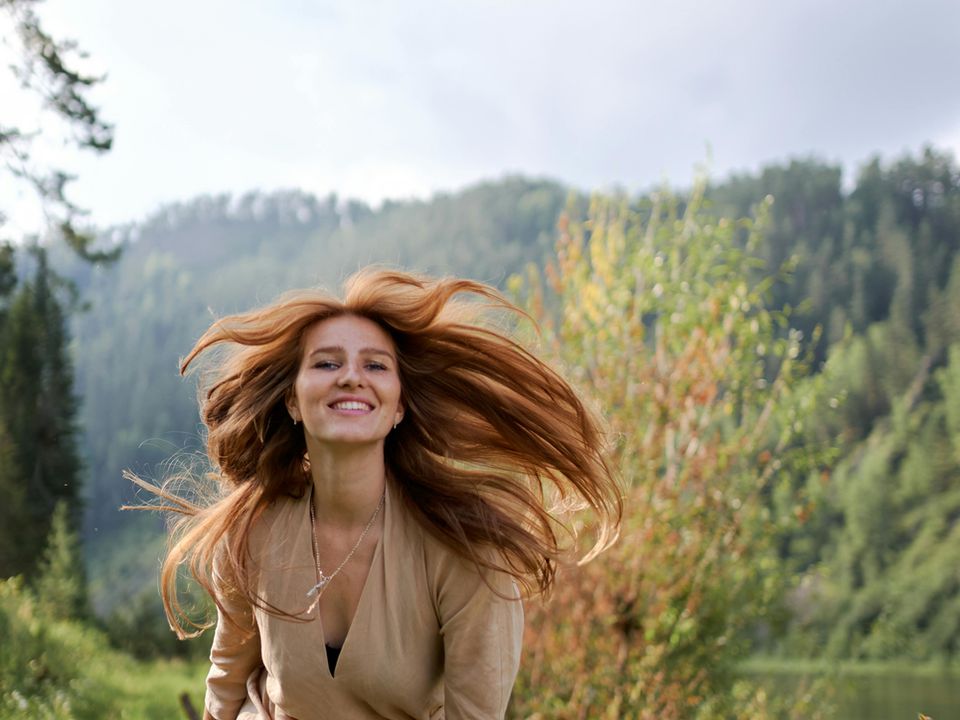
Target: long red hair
491,441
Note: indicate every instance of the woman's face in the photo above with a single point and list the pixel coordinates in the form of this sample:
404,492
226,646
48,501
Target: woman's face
347,390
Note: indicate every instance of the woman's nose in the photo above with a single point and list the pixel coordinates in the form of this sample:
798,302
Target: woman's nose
349,375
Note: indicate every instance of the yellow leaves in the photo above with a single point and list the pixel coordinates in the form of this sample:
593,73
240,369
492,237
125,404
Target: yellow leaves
592,297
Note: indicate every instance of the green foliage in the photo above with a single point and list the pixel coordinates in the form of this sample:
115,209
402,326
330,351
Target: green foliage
887,587
42,660
12,519
655,318
60,585
879,268
40,465
37,421
139,627
125,584
879,557
55,669
883,250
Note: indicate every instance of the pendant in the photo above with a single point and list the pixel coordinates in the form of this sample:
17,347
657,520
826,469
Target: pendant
323,582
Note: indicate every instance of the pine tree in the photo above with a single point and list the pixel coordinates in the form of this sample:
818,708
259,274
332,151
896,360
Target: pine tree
37,417
61,586
12,509
39,465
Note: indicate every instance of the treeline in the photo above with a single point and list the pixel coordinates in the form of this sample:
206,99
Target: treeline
884,250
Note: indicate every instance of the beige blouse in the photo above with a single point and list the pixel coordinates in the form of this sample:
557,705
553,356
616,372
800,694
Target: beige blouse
430,640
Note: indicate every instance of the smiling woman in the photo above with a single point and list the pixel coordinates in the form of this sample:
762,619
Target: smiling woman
383,462
347,389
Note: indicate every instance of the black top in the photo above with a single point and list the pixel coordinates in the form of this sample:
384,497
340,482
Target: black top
333,654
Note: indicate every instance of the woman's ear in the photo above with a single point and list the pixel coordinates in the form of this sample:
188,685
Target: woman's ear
292,408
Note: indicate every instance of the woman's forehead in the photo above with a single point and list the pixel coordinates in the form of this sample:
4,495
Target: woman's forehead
348,332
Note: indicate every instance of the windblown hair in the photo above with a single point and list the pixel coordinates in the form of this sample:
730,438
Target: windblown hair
491,442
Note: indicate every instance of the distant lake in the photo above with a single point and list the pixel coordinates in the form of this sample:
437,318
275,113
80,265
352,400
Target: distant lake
883,694
889,696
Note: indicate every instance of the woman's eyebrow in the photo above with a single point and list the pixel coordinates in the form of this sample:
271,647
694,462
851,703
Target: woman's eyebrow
376,351
329,350
338,349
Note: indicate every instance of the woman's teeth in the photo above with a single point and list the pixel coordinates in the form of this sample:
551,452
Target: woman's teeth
351,405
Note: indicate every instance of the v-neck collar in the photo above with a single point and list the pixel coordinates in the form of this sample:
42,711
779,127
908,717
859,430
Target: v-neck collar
343,660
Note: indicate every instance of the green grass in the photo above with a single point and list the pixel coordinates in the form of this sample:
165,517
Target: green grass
151,690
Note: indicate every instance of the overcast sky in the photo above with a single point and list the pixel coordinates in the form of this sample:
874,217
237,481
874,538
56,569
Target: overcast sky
375,99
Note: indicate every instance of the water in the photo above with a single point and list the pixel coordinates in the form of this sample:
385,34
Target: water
884,695
892,697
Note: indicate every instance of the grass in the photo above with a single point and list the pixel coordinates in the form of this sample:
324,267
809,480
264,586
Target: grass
151,690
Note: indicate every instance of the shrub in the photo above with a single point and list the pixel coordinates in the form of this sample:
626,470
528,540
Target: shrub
660,317
56,669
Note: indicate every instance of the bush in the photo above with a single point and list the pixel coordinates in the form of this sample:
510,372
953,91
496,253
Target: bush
661,318
55,669
43,661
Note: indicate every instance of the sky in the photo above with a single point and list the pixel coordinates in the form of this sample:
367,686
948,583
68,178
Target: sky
373,99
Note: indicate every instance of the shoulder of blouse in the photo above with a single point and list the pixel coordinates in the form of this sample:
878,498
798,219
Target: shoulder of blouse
273,517
274,524
276,517
445,567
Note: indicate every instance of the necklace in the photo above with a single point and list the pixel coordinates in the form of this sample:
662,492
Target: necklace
322,578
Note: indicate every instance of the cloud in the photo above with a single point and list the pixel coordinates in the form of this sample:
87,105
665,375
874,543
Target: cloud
379,99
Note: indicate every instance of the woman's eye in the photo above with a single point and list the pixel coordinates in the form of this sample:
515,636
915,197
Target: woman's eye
326,365
376,366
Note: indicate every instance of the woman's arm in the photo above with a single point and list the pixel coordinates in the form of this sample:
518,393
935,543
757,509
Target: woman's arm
482,637
233,656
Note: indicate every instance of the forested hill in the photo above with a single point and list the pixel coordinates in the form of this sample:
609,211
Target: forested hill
871,264
877,270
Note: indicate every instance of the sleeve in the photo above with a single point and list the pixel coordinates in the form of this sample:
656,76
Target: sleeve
482,636
233,656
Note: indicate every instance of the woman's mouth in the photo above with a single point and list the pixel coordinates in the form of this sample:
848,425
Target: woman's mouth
352,406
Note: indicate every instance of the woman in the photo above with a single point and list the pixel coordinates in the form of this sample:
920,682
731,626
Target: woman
385,463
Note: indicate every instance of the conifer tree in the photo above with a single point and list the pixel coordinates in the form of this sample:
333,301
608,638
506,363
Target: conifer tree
39,465
61,586
11,509
37,414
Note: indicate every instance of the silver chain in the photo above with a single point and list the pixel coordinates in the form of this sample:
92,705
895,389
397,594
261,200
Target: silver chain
323,579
